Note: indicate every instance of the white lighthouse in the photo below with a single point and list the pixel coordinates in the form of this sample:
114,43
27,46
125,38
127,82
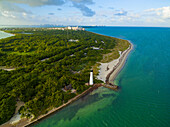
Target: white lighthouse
91,77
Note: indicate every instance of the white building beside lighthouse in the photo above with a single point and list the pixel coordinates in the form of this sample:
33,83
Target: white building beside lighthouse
91,78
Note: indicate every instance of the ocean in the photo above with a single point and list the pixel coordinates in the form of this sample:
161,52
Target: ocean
144,96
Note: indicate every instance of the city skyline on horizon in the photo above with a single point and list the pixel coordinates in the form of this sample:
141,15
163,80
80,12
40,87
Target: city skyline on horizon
148,13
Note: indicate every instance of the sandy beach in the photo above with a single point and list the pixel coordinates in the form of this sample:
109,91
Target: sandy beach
109,71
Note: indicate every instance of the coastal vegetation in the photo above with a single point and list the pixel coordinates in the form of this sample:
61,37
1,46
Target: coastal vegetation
46,61
115,53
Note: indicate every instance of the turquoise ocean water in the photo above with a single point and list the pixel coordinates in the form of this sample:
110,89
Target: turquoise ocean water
144,97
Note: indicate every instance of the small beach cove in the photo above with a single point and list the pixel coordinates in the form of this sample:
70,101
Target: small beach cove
5,35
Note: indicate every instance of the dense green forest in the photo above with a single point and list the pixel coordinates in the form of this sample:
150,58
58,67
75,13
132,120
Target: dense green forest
46,61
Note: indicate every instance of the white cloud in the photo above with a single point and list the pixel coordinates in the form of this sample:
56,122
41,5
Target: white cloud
7,14
121,13
163,12
9,11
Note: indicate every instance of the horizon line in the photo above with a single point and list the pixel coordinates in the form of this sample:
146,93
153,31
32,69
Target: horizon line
88,25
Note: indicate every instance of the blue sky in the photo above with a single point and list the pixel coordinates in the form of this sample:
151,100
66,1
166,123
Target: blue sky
86,12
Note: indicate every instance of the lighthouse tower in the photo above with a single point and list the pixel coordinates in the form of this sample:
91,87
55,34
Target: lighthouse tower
91,77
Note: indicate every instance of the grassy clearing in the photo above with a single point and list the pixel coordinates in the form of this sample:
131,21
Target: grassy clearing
121,46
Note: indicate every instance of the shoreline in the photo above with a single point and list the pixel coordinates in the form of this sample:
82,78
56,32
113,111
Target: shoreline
109,71
9,34
119,66
24,122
